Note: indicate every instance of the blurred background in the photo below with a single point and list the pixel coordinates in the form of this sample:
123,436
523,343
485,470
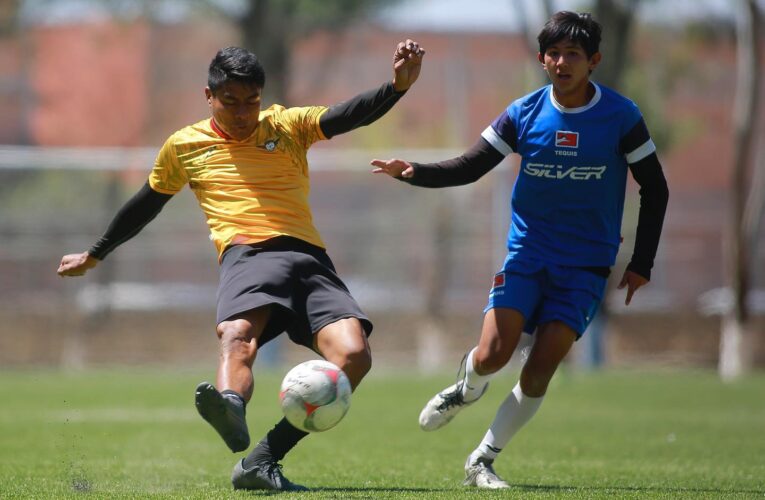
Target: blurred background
89,90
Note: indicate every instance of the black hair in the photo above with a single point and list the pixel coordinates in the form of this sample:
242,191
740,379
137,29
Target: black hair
235,63
579,28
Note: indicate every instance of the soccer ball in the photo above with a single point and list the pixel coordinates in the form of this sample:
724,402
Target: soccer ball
315,395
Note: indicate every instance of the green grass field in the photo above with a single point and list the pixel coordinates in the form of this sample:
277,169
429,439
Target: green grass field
134,433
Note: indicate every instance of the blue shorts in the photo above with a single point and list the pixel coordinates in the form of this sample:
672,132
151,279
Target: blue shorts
545,292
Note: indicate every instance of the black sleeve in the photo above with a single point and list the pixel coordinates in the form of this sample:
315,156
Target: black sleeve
362,110
636,137
471,166
129,220
654,196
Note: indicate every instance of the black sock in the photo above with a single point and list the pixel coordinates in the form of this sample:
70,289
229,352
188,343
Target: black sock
279,440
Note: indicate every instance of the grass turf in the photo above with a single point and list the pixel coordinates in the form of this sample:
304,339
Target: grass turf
134,433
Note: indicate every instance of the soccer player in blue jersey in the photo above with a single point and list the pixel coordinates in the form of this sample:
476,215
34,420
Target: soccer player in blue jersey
576,139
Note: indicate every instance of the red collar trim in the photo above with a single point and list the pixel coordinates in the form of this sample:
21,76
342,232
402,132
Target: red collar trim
218,131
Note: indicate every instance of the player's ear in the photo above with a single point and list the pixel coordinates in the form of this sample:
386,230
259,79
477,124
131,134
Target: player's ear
595,60
541,57
208,95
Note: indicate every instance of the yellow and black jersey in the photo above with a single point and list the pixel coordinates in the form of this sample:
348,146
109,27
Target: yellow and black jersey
249,190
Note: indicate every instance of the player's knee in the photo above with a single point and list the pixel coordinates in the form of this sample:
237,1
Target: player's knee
360,358
487,361
534,380
356,363
233,328
236,339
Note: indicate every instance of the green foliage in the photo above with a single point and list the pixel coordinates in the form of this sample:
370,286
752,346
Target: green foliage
134,433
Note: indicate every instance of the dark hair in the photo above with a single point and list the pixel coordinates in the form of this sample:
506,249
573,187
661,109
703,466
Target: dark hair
579,28
235,63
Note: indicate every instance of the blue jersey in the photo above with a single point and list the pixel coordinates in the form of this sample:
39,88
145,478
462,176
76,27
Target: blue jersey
568,200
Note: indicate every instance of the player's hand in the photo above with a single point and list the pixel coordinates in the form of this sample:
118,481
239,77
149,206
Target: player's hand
407,61
76,264
394,168
632,281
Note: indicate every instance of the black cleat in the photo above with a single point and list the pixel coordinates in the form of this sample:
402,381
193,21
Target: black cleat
265,475
226,417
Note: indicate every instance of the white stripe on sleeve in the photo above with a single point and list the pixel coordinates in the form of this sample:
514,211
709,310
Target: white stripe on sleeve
641,152
493,138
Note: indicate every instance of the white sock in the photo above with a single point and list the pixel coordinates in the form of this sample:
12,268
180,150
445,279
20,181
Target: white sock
513,413
474,383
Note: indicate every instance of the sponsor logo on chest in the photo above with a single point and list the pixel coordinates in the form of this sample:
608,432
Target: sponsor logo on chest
568,140
549,171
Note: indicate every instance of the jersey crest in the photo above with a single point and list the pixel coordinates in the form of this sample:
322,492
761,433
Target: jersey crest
566,139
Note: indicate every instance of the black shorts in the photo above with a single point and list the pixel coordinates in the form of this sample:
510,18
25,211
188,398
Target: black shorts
296,278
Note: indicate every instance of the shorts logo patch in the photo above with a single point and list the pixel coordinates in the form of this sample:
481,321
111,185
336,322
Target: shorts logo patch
566,139
499,280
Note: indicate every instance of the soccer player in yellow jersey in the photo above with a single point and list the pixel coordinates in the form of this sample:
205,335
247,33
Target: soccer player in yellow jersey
248,170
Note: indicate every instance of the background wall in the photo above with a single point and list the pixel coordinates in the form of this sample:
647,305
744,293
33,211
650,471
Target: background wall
88,101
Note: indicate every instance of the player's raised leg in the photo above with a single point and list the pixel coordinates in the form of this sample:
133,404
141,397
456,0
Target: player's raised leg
343,343
224,407
502,328
552,342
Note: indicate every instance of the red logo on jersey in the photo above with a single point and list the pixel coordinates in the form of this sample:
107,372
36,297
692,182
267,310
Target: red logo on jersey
565,139
499,280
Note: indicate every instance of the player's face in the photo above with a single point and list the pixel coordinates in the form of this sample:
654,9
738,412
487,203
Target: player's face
236,108
568,67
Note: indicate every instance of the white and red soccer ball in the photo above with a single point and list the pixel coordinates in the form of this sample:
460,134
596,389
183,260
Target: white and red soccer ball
315,395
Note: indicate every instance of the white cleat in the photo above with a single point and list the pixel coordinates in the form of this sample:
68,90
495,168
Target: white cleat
445,405
479,472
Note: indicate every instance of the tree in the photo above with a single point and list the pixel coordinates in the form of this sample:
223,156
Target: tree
270,28
617,18
9,11
267,27
746,202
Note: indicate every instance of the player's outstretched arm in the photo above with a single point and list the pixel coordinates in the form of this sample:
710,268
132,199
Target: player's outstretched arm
369,106
467,168
129,220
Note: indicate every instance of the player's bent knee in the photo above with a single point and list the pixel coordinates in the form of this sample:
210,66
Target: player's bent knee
491,361
534,382
359,358
356,363
236,339
234,328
